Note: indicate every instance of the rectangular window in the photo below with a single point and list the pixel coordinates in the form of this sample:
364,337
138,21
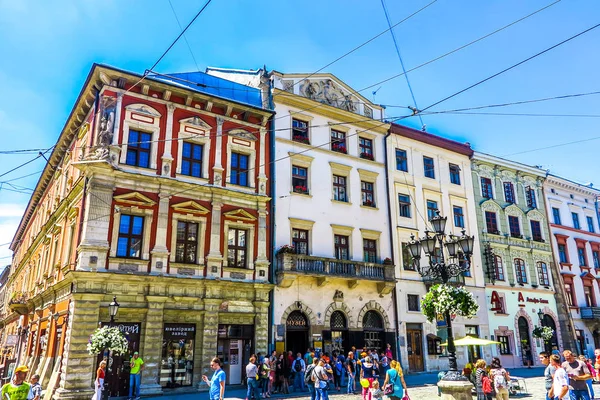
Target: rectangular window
575,217
590,224
407,260
239,169
486,188
138,149
520,271
177,362
131,232
432,207
428,167
589,297
536,231
504,346
515,229
498,268
342,248
543,277
300,131
556,215
413,302
365,148
459,217
596,258
509,192
338,141
191,159
236,248
370,250
454,174
300,241
569,294
300,179
404,205
562,254
187,242
530,197
368,198
491,223
401,160
582,257
339,188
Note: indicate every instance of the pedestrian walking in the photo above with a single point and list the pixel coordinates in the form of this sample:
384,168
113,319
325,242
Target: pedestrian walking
395,377
135,374
252,379
99,382
589,382
35,393
298,369
388,352
483,383
17,388
264,371
351,371
548,372
308,378
578,373
500,378
560,382
216,384
367,372
321,379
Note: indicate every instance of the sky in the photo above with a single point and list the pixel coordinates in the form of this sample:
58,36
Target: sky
48,49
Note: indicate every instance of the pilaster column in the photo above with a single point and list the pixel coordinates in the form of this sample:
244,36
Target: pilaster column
261,266
115,148
93,250
152,345
262,176
209,337
167,157
261,323
214,260
160,252
218,167
78,367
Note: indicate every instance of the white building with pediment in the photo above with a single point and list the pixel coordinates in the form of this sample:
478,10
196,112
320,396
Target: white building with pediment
333,270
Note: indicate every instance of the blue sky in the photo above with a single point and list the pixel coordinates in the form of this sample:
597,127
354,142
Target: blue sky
48,48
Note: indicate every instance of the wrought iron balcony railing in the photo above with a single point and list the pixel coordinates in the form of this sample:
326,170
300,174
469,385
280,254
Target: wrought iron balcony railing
590,313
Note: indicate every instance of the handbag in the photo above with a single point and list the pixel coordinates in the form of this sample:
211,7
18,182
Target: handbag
389,388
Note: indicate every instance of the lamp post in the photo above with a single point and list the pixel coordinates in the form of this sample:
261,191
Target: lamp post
438,268
541,317
113,308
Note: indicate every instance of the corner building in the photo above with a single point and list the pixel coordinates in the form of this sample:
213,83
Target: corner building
515,245
156,193
575,235
428,173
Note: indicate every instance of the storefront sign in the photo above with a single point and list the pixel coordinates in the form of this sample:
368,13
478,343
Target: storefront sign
179,331
496,302
126,327
534,300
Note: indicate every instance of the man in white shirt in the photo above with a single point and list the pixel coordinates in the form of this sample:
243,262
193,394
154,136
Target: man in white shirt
560,384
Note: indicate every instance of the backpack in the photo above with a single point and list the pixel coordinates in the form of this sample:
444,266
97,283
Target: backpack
298,366
486,384
499,380
308,375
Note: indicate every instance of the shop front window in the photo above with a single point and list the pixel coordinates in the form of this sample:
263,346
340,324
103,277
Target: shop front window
177,363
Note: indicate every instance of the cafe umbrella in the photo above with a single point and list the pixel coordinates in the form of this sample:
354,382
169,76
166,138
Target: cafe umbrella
471,341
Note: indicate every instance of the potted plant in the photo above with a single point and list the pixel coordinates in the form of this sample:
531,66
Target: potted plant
445,298
301,139
107,339
339,147
543,332
387,261
367,156
301,189
286,249
369,203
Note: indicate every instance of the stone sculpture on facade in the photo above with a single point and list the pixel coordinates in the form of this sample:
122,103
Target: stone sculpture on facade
327,92
105,129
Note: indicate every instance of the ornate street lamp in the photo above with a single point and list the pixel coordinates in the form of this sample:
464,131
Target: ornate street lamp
459,249
113,309
541,317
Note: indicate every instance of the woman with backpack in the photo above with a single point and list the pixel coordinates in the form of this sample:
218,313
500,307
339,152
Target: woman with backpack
483,383
395,377
500,378
264,373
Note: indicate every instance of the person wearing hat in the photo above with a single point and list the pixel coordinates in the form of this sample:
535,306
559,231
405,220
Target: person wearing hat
17,388
137,366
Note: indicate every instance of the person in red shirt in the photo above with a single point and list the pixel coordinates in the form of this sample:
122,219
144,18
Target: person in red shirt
99,383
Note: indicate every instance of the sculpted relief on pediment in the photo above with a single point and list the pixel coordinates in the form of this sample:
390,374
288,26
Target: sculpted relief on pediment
328,92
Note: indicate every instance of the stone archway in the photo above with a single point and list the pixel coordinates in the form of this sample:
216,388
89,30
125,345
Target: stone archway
303,308
375,306
548,311
338,306
534,352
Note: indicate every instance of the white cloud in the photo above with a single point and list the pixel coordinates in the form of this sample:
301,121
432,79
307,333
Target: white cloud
11,210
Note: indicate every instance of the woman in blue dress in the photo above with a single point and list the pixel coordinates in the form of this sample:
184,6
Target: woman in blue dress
395,376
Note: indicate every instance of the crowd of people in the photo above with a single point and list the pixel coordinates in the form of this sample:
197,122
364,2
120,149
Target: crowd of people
375,374
19,389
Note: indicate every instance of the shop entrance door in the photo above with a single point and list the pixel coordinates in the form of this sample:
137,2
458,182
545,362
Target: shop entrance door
234,347
414,347
526,355
119,378
296,332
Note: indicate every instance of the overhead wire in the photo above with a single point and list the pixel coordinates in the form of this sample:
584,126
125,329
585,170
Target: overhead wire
40,154
553,146
184,36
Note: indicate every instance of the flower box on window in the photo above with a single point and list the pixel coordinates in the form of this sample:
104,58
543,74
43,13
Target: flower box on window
367,156
301,139
339,147
286,249
369,203
301,189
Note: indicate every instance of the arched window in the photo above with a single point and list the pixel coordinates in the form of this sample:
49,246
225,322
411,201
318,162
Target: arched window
520,271
372,321
543,277
498,268
338,321
296,321
373,330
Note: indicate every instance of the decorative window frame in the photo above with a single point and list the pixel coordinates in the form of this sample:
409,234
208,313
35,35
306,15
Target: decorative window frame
250,227
202,222
242,142
341,170
514,211
304,161
148,121
343,230
197,131
371,235
301,117
373,138
148,214
370,177
302,224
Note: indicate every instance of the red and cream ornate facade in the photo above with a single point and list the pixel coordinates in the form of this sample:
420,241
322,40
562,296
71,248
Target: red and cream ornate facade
158,193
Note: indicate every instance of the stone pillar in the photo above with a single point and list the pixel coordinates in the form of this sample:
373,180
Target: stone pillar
261,266
261,326
93,250
262,176
160,252
218,167
78,366
152,345
214,259
167,157
456,390
209,337
198,319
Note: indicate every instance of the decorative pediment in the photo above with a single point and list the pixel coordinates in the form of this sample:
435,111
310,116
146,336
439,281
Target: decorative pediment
587,275
190,207
535,214
329,92
240,214
196,122
490,205
508,175
484,171
143,109
243,134
513,211
134,198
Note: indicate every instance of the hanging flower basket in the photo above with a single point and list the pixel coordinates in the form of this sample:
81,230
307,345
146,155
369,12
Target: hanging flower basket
286,249
546,333
107,338
455,300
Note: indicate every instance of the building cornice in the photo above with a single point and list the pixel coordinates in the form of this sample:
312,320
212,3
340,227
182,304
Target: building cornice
502,162
568,185
433,140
